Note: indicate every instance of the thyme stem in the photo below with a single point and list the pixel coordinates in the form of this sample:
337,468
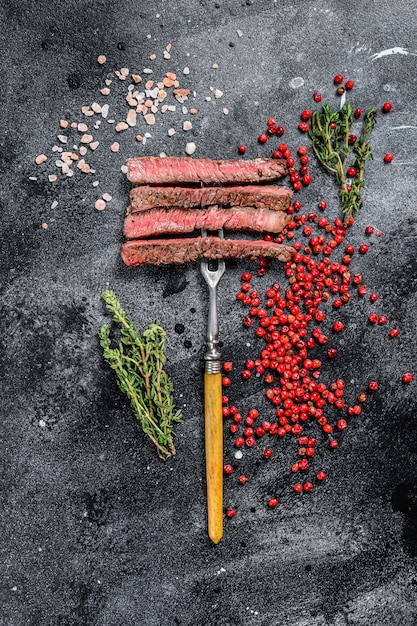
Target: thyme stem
138,362
329,134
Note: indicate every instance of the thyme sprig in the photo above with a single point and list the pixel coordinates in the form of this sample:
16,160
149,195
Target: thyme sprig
138,362
329,133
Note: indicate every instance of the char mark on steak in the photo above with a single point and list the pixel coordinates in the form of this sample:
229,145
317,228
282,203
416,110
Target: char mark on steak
179,170
166,251
271,197
171,221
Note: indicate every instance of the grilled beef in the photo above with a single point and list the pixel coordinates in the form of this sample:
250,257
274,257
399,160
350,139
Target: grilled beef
177,170
165,251
266,197
178,221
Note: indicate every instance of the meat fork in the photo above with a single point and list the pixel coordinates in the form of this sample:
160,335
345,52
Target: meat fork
213,417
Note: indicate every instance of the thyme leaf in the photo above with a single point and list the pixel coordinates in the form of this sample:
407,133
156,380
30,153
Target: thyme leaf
329,134
138,362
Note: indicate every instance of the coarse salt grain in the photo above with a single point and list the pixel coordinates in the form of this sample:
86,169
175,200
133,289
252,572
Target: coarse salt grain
138,137
83,150
105,91
101,59
166,55
52,178
187,125
94,145
115,146
86,138
193,111
121,126
147,70
96,183
124,169
96,107
41,158
54,204
82,128
171,131
124,71
63,138
226,111
107,197
150,119
190,148
44,225
131,117
63,123
218,94
186,71
100,205
152,57
104,110
215,66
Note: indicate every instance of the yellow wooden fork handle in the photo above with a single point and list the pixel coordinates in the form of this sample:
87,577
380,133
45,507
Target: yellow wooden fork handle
213,419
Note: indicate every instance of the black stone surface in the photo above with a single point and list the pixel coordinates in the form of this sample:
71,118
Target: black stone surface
95,529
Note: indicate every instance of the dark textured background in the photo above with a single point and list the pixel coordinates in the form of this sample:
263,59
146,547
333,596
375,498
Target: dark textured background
95,530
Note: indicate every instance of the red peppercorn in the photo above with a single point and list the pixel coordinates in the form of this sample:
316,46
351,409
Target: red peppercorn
331,353
243,479
303,465
303,126
307,179
338,327
338,79
266,453
308,486
388,157
233,428
333,443
306,114
272,503
407,377
349,84
242,149
369,230
382,320
230,512
352,139
362,290
363,248
228,469
239,442
321,476
341,424
357,113
228,366
373,318
250,441
352,172
253,413
372,385
394,332
263,138
279,131
373,296
386,107
317,97
298,487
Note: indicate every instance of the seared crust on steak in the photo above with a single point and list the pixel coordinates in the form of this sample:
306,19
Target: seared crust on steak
272,197
151,170
165,251
179,221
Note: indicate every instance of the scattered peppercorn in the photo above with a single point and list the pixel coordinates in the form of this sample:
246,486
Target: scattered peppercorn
407,377
242,149
386,107
388,157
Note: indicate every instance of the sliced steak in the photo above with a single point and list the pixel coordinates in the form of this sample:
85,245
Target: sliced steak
176,170
179,221
165,251
266,197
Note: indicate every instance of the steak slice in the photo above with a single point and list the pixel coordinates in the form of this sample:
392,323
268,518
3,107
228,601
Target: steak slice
262,197
165,251
152,170
178,221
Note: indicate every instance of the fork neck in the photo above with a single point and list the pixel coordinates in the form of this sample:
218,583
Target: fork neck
212,356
